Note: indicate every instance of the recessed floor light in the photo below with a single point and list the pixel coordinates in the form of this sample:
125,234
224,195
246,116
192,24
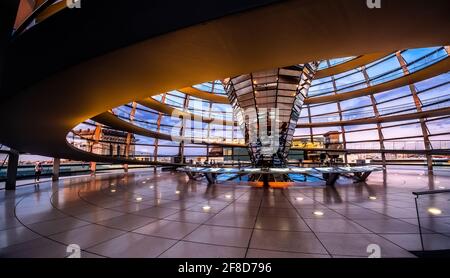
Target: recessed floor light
206,208
434,211
138,199
143,182
151,187
372,197
318,213
228,196
177,192
299,198
113,190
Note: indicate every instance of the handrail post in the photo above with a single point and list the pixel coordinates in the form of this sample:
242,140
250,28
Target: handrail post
418,220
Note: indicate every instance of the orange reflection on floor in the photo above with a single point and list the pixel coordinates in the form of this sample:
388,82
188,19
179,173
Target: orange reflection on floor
272,184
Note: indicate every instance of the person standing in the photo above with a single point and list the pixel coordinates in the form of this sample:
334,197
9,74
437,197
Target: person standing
37,171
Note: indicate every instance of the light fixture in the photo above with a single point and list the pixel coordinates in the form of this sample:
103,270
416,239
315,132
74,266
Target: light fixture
299,198
228,196
138,199
434,211
177,192
113,190
143,182
206,208
151,186
372,197
318,213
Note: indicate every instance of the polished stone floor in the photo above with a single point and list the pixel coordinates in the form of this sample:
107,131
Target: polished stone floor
147,214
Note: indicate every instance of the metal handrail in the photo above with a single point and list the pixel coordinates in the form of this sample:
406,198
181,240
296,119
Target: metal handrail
420,193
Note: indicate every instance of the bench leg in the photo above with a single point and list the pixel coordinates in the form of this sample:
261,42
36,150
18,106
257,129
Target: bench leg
330,178
265,179
362,176
190,175
211,178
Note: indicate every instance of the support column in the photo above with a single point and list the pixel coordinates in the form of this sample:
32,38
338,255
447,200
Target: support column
182,129
11,174
377,116
344,141
56,167
158,126
418,104
129,138
311,134
97,134
93,167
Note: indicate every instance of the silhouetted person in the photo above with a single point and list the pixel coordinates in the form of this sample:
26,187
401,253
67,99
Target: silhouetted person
37,171
323,156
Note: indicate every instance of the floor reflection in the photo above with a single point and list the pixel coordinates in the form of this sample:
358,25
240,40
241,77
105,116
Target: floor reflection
163,214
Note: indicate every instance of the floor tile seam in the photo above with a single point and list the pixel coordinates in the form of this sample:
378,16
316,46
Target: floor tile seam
201,224
309,227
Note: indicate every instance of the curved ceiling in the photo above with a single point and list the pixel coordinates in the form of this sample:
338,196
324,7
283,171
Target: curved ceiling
36,114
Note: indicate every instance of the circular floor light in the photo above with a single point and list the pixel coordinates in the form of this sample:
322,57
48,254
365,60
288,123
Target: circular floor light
299,198
206,208
372,197
113,190
318,213
138,199
434,211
